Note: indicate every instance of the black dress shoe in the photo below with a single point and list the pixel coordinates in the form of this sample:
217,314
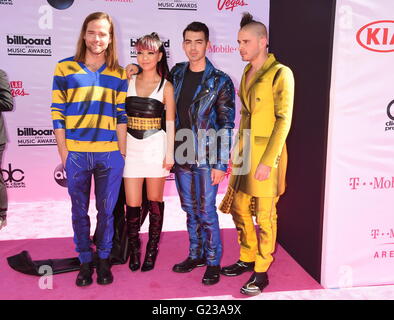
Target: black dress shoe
188,265
84,277
237,268
104,274
211,275
255,285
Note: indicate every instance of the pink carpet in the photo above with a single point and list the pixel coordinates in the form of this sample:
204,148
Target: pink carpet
160,283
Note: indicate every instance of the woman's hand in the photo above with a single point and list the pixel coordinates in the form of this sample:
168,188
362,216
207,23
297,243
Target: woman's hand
168,163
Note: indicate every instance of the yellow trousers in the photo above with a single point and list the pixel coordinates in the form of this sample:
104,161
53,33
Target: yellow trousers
257,246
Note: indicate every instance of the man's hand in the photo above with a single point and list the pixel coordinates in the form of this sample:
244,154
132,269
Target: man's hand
63,156
217,176
60,135
131,69
262,172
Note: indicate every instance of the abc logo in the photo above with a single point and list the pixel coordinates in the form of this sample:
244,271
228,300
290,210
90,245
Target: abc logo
61,4
60,176
12,175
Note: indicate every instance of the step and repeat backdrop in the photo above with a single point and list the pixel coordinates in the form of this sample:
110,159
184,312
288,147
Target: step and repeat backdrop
35,34
358,229
358,242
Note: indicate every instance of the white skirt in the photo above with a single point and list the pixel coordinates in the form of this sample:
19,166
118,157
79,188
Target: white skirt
144,157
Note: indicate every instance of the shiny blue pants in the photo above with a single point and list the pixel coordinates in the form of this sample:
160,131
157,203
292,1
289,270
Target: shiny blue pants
198,200
107,170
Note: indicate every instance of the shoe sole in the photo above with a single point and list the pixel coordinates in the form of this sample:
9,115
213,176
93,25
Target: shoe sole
253,293
210,282
103,283
250,293
234,274
84,284
189,270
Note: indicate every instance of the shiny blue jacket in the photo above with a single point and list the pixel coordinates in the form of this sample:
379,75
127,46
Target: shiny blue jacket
213,107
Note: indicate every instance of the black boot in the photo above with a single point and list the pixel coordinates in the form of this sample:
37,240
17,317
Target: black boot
133,221
104,274
156,213
120,251
84,277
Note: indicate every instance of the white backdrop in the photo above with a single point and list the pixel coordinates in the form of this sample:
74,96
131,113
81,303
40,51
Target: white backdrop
359,217
34,35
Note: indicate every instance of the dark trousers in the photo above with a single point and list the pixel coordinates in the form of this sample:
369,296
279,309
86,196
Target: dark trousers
107,170
198,200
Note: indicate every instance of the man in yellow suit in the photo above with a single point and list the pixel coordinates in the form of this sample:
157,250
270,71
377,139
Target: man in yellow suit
259,157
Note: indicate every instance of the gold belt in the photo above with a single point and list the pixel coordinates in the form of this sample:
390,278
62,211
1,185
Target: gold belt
143,123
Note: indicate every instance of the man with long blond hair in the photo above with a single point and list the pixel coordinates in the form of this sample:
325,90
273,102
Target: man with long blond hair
90,122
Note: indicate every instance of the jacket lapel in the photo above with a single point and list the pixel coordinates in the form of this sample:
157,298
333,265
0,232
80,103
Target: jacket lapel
202,89
266,66
179,81
243,94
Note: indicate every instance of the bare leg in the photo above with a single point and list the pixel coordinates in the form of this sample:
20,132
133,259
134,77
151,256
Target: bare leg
155,188
133,189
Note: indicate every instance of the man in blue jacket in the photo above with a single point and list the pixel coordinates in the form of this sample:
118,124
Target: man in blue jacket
204,121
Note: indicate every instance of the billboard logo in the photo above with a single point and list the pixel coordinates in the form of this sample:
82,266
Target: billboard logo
29,45
377,36
188,5
230,4
33,136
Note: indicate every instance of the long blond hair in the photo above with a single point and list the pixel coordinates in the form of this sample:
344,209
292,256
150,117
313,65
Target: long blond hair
111,54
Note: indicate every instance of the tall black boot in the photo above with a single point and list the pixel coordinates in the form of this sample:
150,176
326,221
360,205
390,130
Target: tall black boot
120,244
133,221
156,213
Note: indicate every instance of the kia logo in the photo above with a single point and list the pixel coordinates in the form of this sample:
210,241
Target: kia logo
377,36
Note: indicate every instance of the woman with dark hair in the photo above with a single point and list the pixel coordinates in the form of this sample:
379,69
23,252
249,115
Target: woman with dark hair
149,148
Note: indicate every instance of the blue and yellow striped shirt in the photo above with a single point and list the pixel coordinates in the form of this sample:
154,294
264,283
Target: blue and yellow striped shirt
88,105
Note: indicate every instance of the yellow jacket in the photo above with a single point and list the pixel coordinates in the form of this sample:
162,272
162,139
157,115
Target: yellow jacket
267,106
